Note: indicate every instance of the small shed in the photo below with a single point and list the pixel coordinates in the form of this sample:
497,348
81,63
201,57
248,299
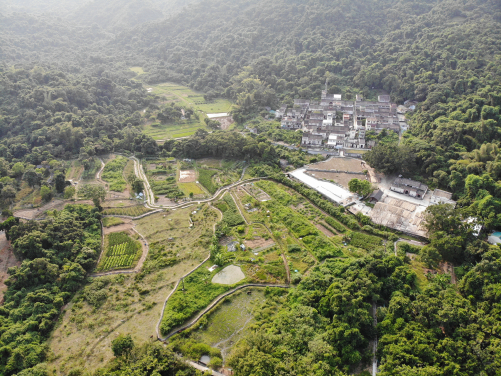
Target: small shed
376,196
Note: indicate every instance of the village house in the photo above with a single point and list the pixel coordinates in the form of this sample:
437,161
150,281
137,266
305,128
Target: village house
409,187
310,139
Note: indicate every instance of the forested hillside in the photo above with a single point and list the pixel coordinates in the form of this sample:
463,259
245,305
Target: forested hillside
405,47
48,114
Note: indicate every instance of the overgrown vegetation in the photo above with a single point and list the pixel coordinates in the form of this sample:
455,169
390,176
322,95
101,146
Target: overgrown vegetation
205,178
113,174
231,215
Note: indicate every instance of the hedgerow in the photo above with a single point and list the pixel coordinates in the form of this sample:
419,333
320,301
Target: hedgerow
335,224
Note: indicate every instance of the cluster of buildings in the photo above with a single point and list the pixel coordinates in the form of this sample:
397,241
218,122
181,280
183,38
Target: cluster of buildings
341,124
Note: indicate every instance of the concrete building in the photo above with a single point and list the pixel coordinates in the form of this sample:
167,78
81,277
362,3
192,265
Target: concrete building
310,139
409,187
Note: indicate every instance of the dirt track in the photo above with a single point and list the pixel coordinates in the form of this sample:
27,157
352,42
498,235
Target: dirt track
33,213
7,260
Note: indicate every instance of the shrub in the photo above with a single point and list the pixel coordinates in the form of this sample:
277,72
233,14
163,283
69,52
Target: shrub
215,362
122,345
409,248
322,248
384,234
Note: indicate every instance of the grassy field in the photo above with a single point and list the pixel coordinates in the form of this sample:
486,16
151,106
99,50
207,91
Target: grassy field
112,221
186,96
90,173
113,174
188,188
172,230
179,129
74,170
106,307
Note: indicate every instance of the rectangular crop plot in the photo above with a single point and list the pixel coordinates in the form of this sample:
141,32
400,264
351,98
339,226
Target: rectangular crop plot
122,252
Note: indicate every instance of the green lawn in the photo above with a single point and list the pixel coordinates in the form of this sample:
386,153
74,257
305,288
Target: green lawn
188,188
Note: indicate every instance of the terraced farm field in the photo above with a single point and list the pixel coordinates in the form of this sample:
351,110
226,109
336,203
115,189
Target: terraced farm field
132,211
185,97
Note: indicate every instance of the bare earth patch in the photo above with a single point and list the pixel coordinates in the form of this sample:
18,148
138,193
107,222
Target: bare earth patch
229,275
340,164
258,243
187,176
225,122
127,227
7,260
340,178
324,230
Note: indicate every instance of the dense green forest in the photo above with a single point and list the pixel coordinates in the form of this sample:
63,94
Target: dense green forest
67,91
57,254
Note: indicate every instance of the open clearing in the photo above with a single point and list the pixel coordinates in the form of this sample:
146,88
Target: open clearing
83,336
172,229
340,164
34,213
127,226
179,129
229,276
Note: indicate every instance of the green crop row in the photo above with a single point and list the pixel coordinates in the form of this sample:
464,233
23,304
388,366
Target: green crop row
128,248
117,238
133,211
118,262
167,187
335,224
